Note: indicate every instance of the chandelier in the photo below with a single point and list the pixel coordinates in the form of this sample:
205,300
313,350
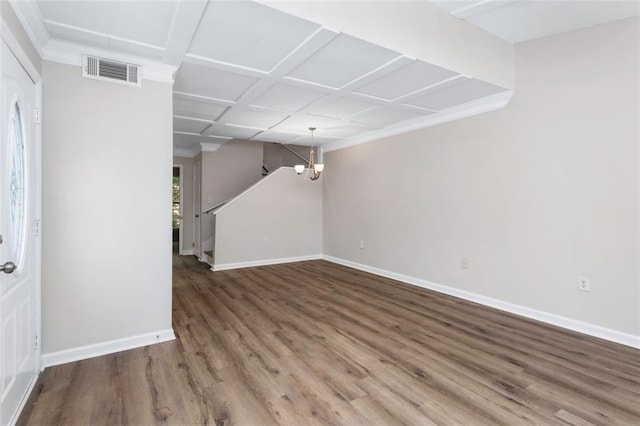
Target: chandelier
312,170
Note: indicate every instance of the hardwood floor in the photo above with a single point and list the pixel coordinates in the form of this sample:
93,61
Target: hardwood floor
315,343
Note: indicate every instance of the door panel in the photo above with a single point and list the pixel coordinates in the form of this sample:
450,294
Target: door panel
17,226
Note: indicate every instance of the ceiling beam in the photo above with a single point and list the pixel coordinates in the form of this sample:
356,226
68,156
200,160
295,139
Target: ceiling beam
480,7
418,29
183,28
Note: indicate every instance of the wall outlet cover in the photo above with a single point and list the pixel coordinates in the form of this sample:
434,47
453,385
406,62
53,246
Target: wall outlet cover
584,284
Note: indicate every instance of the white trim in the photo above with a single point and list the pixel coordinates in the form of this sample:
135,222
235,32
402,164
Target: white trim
479,7
25,398
490,103
28,14
523,311
16,48
9,39
38,217
105,348
189,153
187,253
209,146
197,208
264,262
197,148
71,54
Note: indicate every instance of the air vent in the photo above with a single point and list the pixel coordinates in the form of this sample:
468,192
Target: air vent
109,70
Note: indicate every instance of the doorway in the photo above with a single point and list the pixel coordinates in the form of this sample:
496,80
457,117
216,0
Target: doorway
177,209
19,230
197,207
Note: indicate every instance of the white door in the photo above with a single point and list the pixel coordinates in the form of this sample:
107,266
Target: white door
197,208
18,188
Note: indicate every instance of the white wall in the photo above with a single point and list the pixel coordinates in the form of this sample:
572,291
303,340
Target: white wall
226,172
282,209
229,170
533,195
107,157
274,155
187,201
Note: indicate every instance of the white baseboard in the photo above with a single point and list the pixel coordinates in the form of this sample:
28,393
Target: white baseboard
187,253
553,319
265,262
105,348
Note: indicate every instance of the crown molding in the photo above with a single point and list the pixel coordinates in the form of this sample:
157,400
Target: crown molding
29,16
490,103
16,48
196,149
209,146
183,152
71,54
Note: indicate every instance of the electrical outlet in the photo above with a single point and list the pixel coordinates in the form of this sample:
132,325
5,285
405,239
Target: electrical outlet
361,245
464,263
583,283
266,241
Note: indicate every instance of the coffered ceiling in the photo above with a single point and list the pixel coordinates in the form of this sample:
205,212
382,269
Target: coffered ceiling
522,20
276,75
245,70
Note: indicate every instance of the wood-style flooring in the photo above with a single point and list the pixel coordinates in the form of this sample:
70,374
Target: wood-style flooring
314,343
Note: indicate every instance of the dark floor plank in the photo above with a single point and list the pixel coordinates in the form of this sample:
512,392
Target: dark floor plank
315,343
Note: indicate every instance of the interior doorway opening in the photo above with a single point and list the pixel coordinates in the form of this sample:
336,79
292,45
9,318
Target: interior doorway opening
176,209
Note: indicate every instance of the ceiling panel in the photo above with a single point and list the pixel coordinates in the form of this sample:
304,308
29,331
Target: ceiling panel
66,32
462,91
182,124
253,117
344,130
383,116
181,140
248,34
216,139
414,76
250,71
231,131
286,97
142,21
325,126
204,81
187,107
516,21
338,107
281,137
343,60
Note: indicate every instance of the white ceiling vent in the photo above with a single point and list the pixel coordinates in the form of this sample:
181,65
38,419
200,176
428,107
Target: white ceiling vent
109,70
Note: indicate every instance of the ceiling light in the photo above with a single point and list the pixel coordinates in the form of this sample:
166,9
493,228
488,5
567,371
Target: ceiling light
312,168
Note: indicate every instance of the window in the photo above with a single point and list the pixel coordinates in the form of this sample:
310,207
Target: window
17,186
176,202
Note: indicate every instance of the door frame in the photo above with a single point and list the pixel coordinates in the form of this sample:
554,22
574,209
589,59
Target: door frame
197,209
14,46
180,230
